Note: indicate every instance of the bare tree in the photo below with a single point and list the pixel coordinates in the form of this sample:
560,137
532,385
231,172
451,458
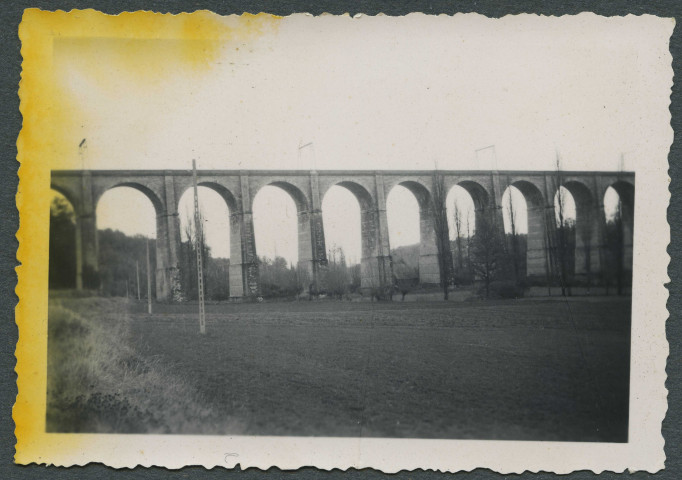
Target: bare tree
560,241
337,276
468,248
458,224
440,225
195,239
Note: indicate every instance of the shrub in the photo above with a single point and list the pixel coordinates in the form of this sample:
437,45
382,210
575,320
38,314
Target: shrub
502,289
96,382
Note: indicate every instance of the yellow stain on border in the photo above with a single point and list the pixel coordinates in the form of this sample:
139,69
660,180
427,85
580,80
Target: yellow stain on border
147,46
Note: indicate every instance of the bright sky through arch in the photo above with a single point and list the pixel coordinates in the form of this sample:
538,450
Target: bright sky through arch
275,224
459,198
514,203
341,219
216,216
402,211
564,206
127,210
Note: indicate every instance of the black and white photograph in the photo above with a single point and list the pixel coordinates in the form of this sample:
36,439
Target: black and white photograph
416,228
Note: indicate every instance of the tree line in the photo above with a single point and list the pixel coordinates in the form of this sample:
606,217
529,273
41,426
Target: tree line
498,260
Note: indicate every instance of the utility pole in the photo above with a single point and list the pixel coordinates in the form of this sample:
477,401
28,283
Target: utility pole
198,228
149,283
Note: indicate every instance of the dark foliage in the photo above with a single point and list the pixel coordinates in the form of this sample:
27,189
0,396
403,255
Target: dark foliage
440,224
502,289
120,257
489,259
62,254
278,279
405,269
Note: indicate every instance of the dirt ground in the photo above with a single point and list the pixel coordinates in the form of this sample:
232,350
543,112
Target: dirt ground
525,370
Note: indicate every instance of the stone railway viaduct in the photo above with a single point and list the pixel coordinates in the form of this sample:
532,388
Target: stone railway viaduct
83,188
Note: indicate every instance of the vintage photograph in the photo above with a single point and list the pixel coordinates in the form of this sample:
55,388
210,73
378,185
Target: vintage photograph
384,228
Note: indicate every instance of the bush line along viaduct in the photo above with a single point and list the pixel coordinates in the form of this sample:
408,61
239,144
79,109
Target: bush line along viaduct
165,187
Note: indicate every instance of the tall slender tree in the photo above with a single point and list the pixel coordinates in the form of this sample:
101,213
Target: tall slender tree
468,247
458,224
195,239
560,234
513,238
442,233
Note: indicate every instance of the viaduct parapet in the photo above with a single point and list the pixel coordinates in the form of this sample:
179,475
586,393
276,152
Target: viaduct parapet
84,188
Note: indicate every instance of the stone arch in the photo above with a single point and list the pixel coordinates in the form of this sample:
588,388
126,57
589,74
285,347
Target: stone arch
221,190
233,207
219,207
361,194
300,199
235,228
77,189
158,205
305,225
243,269
367,206
531,192
582,196
166,278
234,210
620,242
536,240
238,269
479,195
68,195
477,192
429,269
586,254
626,192
466,201
376,259
420,192
295,186
284,189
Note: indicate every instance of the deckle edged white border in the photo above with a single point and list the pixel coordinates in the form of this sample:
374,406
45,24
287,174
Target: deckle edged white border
648,402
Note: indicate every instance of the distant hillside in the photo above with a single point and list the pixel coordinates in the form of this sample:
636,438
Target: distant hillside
406,260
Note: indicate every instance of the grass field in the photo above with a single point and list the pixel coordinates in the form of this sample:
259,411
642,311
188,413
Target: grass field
527,370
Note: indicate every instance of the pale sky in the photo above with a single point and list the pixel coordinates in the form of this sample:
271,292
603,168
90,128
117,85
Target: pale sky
370,93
